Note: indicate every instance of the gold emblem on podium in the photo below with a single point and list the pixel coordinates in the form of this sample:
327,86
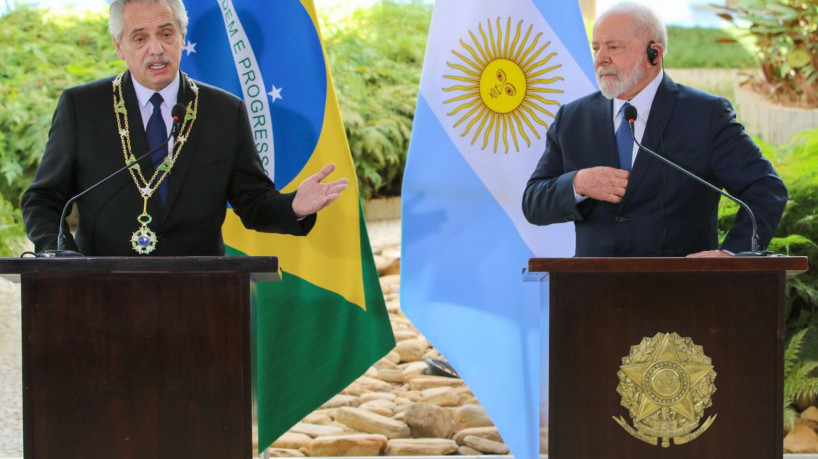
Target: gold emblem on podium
666,383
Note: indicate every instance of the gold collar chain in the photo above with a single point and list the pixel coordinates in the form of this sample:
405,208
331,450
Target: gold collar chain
143,240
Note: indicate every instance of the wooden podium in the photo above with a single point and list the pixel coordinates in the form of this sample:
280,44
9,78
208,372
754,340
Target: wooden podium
135,358
683,352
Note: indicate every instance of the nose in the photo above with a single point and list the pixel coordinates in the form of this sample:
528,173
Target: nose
155,46
601,57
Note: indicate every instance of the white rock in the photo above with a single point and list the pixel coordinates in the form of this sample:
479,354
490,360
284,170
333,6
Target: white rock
341,400
366,421
284,452
349,445
429,421
440,396
314,430
290,440
368,397
471,416
425,382
489,433
420,447
411,350
485,445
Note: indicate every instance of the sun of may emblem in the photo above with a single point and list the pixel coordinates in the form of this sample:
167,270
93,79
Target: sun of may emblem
502,83
666,383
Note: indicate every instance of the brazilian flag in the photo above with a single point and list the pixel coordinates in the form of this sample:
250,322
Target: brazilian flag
326,322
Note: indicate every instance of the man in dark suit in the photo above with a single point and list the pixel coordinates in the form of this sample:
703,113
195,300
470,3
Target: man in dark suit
624,202
175,202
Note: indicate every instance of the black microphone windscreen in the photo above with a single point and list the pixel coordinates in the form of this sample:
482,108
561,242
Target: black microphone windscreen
630,113
178,112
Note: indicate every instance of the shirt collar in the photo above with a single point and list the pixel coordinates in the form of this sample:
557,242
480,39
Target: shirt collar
643,100
169,93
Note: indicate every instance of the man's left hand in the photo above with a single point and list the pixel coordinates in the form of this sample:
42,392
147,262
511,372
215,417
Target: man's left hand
312,195
710,254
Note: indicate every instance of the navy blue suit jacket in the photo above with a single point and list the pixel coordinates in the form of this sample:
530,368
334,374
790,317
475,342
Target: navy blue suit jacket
663,212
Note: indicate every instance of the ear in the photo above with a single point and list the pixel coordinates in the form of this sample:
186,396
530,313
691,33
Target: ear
118,49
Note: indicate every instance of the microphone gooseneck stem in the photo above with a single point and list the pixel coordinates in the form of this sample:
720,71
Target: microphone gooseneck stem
754,239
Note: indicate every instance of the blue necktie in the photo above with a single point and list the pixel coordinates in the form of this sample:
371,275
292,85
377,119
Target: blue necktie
157,135
624,141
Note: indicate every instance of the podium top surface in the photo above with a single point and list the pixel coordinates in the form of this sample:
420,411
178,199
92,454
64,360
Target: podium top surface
262,269
538,268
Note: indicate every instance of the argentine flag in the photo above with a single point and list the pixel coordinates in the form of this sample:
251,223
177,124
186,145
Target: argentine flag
494,76
326,322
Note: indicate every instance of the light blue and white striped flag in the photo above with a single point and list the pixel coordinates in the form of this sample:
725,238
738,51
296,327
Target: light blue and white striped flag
494,76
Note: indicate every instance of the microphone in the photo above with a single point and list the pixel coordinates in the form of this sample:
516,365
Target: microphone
177,114
630,115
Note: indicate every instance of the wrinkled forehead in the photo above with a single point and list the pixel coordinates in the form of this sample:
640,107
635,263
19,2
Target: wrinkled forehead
616,27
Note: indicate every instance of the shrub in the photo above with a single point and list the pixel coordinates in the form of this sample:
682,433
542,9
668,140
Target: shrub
786,33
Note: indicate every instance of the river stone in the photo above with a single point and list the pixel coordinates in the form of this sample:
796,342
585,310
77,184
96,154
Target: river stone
415,368
489,433
471,416
429,421
368,397
411,350
466,451
367,421
291,440
390,375
440,396
484,445
317,418
403,335
382,407
314,430
393,357
284,452
341,400
349,445
372,384
420,447
800,440
426,382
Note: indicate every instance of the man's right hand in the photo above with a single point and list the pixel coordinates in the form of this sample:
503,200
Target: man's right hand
602,183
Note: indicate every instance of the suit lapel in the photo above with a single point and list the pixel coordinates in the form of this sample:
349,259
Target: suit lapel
139,140
602,119
183,163
645,165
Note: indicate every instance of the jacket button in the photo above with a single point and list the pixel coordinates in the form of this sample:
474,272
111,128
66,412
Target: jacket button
620,219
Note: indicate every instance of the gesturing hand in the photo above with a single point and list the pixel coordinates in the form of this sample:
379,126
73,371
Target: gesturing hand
312,195
602,183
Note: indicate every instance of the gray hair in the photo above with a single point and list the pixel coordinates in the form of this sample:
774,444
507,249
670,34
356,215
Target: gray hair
116,23
644,20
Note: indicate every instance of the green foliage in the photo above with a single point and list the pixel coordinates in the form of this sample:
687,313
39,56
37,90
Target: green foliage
377,74
786,33
799,380
42,55
11,230
701,47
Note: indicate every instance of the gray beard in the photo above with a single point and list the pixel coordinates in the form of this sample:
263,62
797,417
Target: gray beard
623,83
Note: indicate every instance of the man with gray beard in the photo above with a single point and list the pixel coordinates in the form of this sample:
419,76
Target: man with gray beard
624,202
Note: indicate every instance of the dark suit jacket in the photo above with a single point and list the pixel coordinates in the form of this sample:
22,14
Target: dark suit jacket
218,164
663,212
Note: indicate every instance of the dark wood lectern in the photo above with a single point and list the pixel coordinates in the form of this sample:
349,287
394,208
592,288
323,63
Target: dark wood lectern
137,357
683,352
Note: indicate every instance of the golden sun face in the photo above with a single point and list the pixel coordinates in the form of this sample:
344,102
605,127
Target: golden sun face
502,83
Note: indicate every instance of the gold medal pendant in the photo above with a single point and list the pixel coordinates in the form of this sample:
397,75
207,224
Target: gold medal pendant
144,240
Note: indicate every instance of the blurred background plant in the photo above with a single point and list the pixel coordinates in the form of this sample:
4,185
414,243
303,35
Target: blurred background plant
786,36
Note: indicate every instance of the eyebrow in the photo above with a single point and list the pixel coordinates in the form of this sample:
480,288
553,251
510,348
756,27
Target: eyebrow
163,26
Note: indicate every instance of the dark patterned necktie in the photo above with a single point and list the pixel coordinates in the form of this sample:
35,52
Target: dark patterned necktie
624,141
157,135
